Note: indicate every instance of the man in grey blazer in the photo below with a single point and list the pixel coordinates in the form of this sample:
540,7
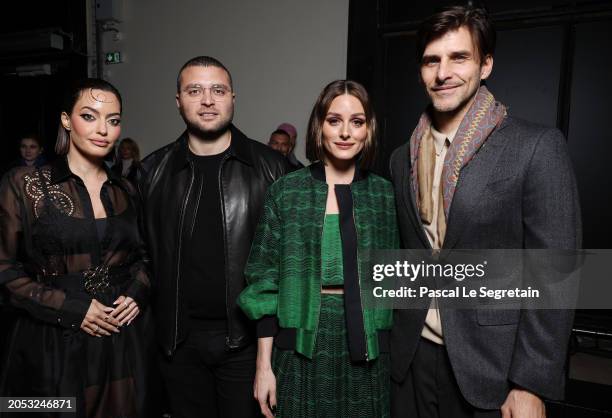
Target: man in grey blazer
453,192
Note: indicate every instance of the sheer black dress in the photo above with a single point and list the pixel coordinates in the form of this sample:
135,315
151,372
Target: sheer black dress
54,259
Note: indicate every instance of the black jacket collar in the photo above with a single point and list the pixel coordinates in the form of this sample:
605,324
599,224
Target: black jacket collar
239,148
317,170
60,171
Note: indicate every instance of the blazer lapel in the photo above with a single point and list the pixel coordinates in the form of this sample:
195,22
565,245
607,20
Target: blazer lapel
409,201
472,182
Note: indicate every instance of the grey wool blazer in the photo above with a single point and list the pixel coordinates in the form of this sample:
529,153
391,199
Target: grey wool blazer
518,191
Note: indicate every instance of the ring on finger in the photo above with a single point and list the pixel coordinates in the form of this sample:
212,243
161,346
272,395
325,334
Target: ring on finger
97,329
125,304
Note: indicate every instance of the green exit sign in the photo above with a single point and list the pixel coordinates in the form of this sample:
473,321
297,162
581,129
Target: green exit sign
113,57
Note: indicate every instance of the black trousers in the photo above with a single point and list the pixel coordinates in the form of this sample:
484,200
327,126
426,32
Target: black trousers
430,390
204,380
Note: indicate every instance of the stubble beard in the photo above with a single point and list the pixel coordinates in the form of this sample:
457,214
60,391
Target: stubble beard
452,109
208,134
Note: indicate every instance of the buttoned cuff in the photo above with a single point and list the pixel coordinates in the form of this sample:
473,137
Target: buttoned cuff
139,292
72,312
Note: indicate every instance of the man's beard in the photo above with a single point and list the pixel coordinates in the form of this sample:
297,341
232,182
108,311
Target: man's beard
207,134
455,108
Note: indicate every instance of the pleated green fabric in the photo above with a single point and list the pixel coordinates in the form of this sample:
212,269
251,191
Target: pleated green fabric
329,385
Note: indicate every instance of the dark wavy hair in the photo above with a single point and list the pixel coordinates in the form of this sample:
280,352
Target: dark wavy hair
314,138
73,94
475,18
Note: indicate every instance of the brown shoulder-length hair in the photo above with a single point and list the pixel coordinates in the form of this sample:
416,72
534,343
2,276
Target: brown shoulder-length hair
74,92
314,137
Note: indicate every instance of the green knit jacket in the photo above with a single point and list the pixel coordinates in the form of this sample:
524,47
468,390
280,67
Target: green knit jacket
283,272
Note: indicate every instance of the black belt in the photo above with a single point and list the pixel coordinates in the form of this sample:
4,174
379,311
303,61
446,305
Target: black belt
94,281
332,287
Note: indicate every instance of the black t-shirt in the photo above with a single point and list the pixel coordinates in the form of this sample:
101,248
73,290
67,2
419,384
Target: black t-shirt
203,263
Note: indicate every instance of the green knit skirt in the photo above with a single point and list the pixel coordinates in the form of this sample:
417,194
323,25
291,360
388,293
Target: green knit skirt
330,385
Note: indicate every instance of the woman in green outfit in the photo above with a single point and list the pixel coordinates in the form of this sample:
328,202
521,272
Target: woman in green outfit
322,352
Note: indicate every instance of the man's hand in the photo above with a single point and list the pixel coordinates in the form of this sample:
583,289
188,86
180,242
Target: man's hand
523,404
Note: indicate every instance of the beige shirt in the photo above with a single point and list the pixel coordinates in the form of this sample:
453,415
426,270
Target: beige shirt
433,325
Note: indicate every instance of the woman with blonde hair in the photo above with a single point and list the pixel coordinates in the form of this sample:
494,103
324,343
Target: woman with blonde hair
127,162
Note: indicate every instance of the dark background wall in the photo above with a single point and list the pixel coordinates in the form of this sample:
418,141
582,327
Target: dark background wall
30,104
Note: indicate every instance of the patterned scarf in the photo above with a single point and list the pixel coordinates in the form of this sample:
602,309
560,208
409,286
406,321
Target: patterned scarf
484,116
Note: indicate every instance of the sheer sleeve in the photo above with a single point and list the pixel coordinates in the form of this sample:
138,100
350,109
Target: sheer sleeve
40,300
140,286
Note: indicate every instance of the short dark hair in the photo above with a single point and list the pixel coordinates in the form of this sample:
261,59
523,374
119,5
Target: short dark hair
203,61
281,132
475,19
314,136
74,92
33,136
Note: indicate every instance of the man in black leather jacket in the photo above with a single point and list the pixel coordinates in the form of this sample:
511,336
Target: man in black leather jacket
202,198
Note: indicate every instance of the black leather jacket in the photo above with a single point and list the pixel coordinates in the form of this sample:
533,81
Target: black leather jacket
245,174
